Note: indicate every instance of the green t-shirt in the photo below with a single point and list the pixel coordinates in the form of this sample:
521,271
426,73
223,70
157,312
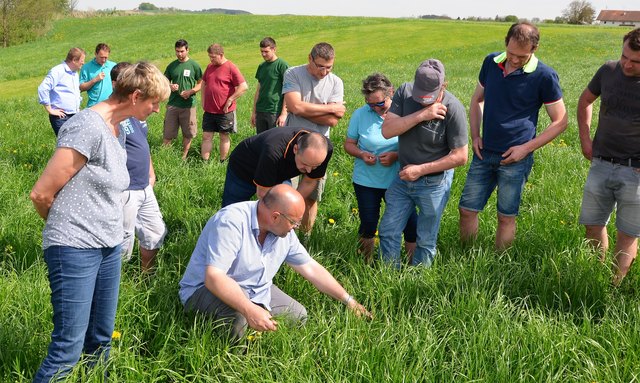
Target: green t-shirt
186,75
270,76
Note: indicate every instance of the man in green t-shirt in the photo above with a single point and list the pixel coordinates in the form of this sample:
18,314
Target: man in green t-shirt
185,76
268,103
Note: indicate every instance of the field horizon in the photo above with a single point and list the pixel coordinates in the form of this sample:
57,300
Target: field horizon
543,310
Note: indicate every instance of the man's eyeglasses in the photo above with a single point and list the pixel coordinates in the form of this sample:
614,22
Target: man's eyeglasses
296,224
322,68
378,104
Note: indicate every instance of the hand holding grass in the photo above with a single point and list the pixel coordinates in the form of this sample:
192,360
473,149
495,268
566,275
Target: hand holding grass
358,309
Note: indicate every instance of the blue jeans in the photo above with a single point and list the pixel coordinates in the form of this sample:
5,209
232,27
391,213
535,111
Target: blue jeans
369,201
430,194
84,295
236,189
57,122
483,177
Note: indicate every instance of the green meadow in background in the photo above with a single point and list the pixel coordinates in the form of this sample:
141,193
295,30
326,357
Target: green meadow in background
543,310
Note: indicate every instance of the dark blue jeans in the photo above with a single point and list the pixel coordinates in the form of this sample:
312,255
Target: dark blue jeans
84,295
57,122
236,189
369,202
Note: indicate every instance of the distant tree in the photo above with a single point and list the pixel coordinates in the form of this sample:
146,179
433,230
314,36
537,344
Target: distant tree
511,19
579,12
147,7
559,20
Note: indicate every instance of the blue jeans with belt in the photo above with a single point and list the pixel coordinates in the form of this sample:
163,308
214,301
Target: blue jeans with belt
84,295
430,194
57,122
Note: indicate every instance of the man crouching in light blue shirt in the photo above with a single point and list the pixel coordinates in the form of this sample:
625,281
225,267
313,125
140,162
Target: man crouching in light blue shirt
230,274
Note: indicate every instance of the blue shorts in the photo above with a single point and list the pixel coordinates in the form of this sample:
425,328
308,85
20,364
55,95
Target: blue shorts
609,185
483,177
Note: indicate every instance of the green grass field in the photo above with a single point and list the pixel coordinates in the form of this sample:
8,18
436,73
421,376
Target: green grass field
541,311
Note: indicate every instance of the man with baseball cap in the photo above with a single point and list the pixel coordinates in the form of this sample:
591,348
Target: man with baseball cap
431,126
512,87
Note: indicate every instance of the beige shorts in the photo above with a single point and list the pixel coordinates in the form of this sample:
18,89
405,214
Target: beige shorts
316,195
185,118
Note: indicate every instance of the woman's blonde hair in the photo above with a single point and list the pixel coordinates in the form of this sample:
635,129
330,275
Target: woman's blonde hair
143,77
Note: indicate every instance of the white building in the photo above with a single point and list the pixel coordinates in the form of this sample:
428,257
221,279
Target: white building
619,18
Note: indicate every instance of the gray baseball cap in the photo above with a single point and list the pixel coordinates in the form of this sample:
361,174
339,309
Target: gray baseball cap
428,81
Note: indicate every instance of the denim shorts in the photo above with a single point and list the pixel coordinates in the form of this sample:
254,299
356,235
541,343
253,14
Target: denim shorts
483,177
612,186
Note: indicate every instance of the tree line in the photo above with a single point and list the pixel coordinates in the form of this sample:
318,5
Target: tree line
26,20
577,12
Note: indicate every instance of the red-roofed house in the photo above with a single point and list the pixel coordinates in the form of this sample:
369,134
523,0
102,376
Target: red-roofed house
621,18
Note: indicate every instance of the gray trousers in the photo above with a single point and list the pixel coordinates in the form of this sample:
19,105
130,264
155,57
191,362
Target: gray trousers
204,302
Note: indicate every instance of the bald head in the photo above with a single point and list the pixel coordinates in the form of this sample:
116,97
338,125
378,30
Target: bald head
283,198
280,210
312,140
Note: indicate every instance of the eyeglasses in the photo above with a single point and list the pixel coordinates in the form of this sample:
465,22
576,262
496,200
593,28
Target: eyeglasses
322,68
378,104
296,224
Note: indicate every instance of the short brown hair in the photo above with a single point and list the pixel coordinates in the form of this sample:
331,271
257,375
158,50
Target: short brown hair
74,54
268,42
375,82
524,33
323,50
215,49
633,38
102,47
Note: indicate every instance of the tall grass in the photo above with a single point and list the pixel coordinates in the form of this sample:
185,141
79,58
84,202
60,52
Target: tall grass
541,311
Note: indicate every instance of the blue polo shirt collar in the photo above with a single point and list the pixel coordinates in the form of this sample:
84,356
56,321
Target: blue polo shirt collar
529,67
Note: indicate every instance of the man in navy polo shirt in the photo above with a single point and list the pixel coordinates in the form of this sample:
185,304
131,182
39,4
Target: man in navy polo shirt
512,87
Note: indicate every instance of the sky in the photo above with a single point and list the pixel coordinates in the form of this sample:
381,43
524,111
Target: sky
542,9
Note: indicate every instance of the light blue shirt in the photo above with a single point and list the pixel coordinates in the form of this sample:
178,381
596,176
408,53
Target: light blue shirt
229,242
365,127
61,89
101,90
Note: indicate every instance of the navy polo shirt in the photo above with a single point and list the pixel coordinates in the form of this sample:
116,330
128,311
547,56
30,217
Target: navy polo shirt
512,102
138,154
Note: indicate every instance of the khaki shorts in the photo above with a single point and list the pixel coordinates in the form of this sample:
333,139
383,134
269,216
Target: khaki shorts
316,194
185,118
